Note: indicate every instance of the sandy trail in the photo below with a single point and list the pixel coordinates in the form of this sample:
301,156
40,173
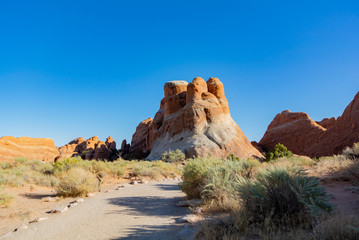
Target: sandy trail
135,212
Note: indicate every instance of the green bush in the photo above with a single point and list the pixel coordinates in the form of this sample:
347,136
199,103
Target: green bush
286,196
279,151
77,182
173,156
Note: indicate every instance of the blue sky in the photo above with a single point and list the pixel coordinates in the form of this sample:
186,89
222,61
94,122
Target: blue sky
86,68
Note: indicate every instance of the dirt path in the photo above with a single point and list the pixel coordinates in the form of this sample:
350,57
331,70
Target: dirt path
135,212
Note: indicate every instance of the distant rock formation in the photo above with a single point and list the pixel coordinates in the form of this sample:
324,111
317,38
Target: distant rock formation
32,148
194,118
303,136
89,149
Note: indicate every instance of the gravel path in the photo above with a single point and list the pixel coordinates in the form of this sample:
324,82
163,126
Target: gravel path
143,211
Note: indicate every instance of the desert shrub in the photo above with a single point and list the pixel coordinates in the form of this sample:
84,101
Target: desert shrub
220,192
77,182
286,196
5,199
353,152
221,183
20,161
65,164
154,169
279,151
5,165
117,168
195,174
232,157
173,156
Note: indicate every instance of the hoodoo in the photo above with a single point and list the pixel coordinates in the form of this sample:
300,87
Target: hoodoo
194,118
89,149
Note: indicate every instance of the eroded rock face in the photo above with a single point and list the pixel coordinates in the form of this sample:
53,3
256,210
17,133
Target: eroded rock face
89,149
31,148
303,136
194,118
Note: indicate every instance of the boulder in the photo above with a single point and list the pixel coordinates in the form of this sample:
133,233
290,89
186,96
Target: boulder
89,149
194,118
43,149
303,136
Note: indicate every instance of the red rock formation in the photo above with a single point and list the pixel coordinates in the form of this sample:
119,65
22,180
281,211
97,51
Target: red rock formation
194,118
300,134
327,122
345,132
90,149
31,148
140,139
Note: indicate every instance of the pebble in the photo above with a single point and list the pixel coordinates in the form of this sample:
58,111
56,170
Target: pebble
144,181
90,195
59,209
198,210
40,219
190,218
24,226
72,204
50,199
134,182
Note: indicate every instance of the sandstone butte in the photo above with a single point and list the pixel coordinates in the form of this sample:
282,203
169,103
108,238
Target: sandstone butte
43,149
89,149
194,118
303,136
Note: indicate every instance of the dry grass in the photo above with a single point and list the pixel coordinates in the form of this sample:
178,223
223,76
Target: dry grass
236,226
5,199
336,168
22,171
77,182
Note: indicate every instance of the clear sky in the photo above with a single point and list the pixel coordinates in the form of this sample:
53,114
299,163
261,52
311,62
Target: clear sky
86,68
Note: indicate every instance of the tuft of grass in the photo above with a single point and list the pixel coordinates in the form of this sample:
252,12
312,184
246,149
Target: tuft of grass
352,152
5,199
336,168
77,182
337,227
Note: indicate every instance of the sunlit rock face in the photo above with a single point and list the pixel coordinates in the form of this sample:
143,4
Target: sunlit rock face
89,149
32,148
195,118
300,134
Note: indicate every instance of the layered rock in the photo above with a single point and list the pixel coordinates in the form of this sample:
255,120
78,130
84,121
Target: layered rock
89,149
194,118
32,148
303,136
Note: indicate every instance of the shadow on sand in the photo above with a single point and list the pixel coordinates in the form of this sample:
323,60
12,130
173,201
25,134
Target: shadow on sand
155,207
